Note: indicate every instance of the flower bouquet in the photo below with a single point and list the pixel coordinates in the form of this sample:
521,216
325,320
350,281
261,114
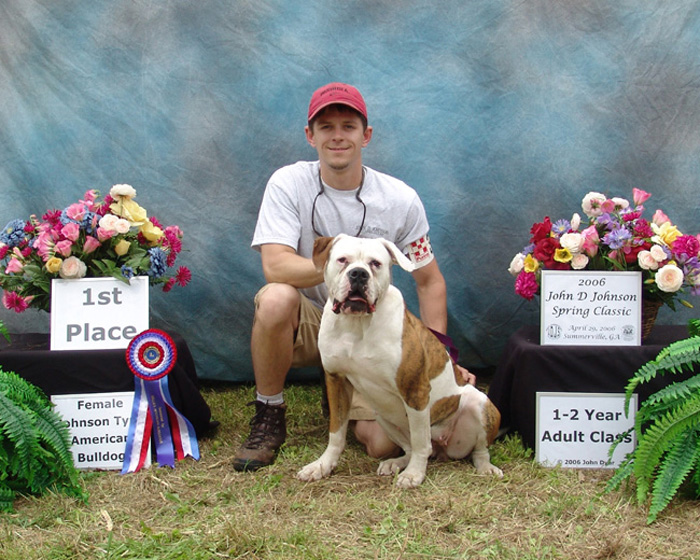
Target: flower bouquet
616,238
113,237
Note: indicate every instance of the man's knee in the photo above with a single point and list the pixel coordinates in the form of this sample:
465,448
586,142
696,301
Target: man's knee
377,444
277,302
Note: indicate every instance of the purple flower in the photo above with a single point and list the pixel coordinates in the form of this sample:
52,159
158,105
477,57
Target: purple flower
560,227
617,238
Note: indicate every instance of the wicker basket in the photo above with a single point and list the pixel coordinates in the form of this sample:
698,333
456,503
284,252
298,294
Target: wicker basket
649,312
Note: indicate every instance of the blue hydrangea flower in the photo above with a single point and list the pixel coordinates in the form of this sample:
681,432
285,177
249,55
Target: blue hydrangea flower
158,262
87,222
127,272
13,233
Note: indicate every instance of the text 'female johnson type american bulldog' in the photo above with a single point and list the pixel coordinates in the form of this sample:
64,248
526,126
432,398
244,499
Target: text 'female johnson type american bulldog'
369,342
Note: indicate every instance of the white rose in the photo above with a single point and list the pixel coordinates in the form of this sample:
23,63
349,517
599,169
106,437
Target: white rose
591,204
669,278
572,241
647,261
122,225
72,268
107,222
575,221
657,251
579,261
516,265
122,191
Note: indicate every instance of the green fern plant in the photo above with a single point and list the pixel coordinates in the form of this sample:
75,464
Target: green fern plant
34,444
667,427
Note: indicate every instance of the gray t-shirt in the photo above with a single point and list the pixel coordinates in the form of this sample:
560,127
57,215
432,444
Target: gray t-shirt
394,212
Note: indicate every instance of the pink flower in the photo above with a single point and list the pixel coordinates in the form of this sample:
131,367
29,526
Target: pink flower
71,231
105,234
526,285
44,245
169,285
89,197
64,248
660,218
76,211
183,276
90,244
591,241
608,206
639,196
15,302
685,247
14,266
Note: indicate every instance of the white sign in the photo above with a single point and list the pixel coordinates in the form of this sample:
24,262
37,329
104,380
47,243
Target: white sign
97,313
576,430
99,425
591,308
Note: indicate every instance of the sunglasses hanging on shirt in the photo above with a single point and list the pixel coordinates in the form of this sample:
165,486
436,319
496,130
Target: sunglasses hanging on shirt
322,191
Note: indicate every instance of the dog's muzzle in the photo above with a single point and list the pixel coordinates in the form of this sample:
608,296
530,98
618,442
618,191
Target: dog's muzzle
356,301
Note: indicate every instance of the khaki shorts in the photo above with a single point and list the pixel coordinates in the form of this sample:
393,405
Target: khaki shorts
306,350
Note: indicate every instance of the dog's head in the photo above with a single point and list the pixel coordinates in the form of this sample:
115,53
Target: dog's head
357,271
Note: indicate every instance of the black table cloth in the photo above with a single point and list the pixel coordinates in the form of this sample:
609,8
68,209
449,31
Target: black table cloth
526,368
100,371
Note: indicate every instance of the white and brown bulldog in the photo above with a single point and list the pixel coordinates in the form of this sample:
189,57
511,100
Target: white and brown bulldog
369,342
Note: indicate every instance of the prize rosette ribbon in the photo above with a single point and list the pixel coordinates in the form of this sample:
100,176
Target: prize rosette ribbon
150,356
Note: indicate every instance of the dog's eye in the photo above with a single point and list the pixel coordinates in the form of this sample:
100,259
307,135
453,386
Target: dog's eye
375,264
342,260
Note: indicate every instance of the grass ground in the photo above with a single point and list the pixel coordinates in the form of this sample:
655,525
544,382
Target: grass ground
204,509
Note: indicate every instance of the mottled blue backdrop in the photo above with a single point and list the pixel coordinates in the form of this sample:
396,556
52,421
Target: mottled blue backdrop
497,112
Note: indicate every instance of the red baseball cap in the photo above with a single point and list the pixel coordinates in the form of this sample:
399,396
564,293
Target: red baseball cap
337,92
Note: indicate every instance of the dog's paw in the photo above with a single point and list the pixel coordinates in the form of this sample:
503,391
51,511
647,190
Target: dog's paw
488,468
410,479
315,471
390,467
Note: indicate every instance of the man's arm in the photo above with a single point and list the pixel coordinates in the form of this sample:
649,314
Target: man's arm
432,301
281,263
432,296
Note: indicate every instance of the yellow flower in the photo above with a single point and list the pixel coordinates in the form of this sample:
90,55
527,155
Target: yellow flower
122,248
530,264
666,232
151,232
53,265
130,211
562,255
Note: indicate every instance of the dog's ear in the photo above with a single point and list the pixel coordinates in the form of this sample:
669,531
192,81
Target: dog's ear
397,257
322,248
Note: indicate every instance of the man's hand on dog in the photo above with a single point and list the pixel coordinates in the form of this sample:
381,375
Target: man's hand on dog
467,375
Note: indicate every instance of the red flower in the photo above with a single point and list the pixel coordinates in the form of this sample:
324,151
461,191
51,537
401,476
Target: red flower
541,230
544,252
643,229
631,252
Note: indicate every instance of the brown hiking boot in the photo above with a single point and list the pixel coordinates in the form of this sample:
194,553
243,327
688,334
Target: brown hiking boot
268,431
